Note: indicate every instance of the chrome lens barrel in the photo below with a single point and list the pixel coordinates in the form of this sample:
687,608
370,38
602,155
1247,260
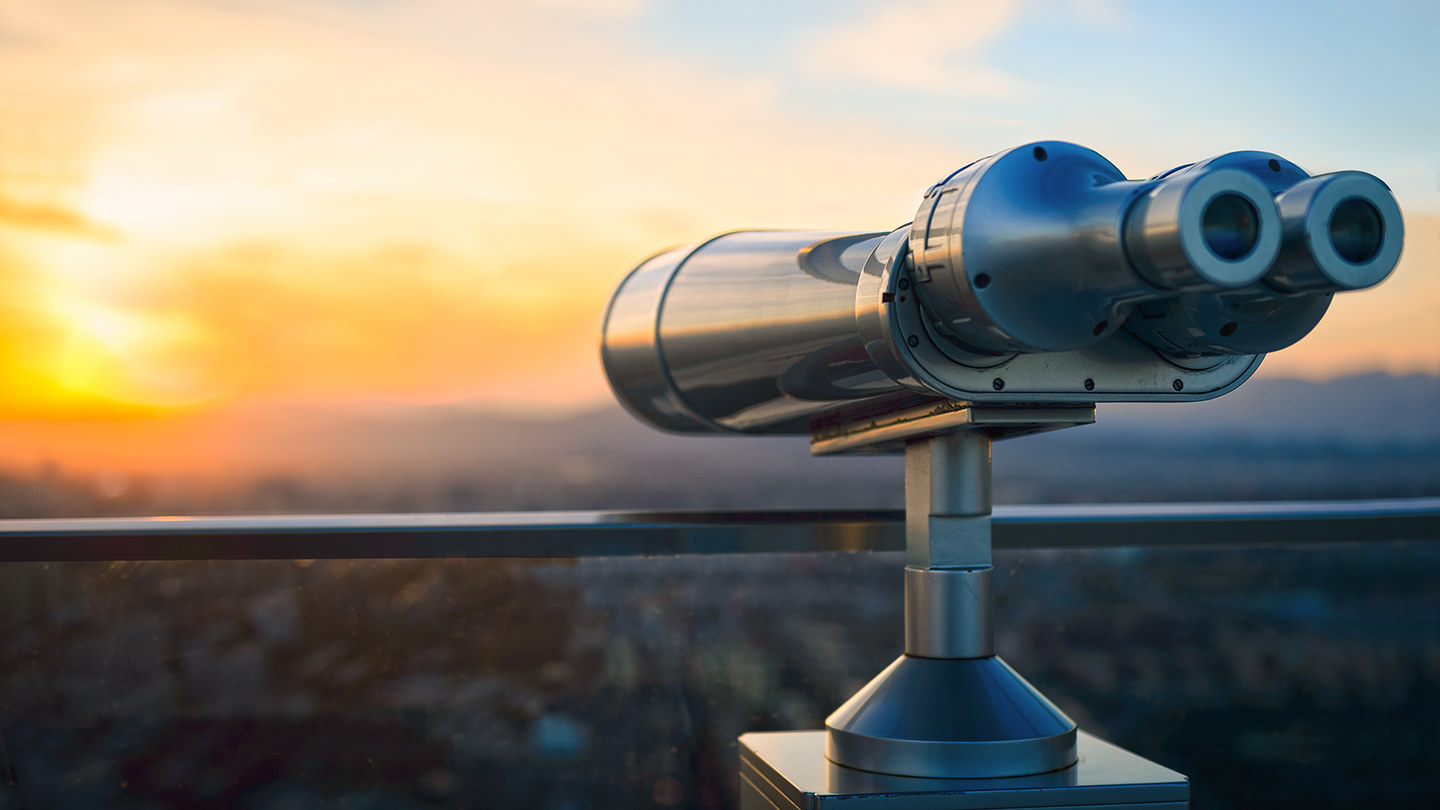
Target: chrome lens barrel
1343,231
1204,230
630,347
750,330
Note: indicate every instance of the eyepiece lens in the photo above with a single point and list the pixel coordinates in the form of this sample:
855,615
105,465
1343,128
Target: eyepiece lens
1232,227
1356,230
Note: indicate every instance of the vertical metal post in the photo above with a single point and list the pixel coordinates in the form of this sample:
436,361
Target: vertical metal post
949,602
949,708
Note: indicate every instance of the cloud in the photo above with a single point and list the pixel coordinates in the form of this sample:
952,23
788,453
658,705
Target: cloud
584,8
426,201
1100,12
406,321
54,219
343,200
935,46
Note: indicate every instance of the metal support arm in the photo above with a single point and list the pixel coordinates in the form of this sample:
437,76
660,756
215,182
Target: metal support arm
949,605
948,707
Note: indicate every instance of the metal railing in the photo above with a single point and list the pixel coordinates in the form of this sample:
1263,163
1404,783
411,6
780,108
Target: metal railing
590,534
1231,648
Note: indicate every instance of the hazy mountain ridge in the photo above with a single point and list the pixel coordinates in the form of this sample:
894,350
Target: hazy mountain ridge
1357,437
1366,407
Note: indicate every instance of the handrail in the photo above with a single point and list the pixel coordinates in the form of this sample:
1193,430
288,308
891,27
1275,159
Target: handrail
586,534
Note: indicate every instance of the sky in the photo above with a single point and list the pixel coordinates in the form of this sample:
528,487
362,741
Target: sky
211,202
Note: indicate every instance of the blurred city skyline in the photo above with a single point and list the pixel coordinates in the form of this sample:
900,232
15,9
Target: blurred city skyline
205,203
1367,436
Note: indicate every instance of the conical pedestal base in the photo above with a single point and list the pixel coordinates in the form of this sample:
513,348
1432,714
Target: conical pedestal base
956,718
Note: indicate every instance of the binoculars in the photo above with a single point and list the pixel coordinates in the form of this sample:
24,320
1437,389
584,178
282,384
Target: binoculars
1037,275
1030,286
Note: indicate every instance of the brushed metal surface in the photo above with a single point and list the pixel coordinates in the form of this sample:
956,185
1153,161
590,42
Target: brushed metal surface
947,500
630,346
788,769
890,432
1308,258
949,613
950,718
1031,250
587,534
897,332
951,472
1166,240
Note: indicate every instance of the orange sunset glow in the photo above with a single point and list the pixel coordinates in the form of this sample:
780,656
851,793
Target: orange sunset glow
219,208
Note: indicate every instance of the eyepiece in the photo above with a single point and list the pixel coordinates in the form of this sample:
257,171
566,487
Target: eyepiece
1342,231
1356,230
1231,226
1203,230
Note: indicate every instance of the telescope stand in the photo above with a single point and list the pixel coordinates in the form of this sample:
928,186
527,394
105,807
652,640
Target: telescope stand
949,724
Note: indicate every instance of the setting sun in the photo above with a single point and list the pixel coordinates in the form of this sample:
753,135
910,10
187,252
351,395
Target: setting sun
204,203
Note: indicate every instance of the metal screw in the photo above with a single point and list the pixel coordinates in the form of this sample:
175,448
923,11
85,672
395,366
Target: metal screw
998,384
1089,385
904,284
1178,385
915,341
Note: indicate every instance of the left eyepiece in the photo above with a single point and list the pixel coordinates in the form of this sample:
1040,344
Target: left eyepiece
1203,230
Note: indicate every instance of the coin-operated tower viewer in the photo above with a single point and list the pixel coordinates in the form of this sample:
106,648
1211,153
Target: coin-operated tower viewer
1030,286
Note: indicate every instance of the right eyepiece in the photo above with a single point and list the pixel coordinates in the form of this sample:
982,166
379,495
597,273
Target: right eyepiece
1342,231
1331,233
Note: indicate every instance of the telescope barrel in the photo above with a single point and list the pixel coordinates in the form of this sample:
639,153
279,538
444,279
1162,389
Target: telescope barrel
748,330
1040,274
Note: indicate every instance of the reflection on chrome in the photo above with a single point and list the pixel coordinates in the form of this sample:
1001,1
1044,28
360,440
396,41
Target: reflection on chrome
1040,274
1031,285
